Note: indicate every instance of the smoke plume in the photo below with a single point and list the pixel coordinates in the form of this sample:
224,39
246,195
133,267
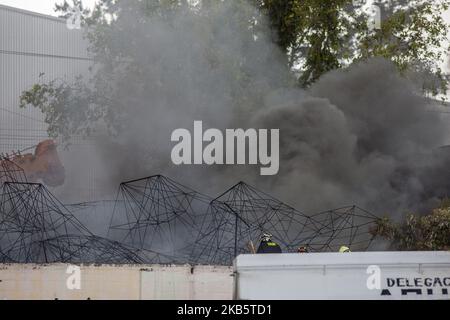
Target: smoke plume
358,136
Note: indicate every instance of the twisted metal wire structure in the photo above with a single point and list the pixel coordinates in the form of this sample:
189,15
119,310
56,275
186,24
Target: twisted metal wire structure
36,228
157,220
237,219
95,214
10,172
350,226
161,215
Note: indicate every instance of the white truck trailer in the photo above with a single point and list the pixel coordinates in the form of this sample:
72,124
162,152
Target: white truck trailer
356,275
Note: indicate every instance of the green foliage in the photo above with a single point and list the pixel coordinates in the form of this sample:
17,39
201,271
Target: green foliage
430,232
67,108
316,34
320,36
414,36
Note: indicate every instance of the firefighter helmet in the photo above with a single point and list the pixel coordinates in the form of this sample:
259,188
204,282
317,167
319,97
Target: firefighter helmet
266,237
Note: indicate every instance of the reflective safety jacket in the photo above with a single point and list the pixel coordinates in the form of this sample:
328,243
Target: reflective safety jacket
268,247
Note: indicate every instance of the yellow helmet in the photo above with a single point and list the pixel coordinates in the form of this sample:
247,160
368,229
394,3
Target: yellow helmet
344,249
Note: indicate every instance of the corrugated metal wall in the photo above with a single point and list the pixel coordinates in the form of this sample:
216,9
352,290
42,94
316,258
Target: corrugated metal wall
31,45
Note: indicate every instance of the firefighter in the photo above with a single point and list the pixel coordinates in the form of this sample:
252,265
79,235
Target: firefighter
344,249
302,249
267,245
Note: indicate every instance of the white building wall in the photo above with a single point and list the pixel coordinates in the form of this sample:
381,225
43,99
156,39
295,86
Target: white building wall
31,45
417,275
36,48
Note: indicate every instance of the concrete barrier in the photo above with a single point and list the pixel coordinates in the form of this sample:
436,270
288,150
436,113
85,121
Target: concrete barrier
110,282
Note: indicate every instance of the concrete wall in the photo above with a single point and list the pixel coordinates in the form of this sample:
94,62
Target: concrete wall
146,282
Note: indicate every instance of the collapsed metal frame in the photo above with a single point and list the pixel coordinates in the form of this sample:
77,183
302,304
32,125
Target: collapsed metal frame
159,214
238,218
240,215
350,226
36,228
10,172
157,220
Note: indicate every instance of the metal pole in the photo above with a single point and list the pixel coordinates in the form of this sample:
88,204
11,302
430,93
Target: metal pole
235,235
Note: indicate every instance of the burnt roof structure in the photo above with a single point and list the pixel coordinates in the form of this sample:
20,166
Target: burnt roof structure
36,228
239,217
183,225
350,226
160,215
157,220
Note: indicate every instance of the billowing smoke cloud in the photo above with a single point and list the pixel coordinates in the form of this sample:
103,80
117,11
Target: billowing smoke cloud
359,136
363,136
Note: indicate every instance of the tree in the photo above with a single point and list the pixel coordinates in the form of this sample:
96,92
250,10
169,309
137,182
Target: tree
316,35
429,232
414,35
320,36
